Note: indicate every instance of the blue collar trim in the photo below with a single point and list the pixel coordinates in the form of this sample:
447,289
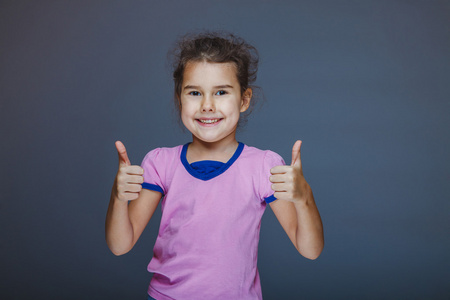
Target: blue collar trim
207,176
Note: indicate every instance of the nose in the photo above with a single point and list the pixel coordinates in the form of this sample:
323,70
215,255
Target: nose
208,104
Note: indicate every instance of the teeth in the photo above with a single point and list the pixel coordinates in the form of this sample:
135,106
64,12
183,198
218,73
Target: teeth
209,121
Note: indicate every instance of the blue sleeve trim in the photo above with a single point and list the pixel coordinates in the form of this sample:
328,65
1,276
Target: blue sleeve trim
152,187
270,199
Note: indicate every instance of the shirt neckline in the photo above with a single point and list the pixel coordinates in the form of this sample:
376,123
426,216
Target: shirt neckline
215,173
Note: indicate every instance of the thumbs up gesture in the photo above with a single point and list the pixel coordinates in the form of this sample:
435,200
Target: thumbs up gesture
288,182
129,178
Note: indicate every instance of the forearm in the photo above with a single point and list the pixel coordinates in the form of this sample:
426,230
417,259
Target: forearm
118,227
309,235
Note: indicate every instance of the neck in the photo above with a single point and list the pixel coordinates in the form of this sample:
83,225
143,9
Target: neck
220,151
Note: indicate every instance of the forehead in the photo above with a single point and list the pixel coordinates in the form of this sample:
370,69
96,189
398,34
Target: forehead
203,72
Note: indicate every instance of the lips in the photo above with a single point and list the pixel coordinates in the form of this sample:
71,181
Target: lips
208,121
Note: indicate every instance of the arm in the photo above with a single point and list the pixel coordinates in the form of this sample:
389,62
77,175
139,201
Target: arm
295,208
126,222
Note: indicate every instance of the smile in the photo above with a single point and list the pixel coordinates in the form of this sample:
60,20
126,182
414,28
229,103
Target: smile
208,121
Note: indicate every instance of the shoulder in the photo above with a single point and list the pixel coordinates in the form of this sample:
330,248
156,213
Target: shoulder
162,154
262,155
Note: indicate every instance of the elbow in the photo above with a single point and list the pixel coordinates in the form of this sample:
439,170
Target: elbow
117,250
311,254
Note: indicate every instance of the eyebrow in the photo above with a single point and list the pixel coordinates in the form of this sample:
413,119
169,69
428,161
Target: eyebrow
196,87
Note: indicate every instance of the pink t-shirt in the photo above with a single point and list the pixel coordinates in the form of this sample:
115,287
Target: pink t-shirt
207,244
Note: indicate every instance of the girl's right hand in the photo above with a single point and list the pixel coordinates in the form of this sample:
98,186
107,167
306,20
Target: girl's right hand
127,184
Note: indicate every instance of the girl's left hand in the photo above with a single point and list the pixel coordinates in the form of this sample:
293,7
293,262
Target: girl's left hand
288,181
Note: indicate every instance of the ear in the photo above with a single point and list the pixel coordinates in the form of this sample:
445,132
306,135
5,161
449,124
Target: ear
246,98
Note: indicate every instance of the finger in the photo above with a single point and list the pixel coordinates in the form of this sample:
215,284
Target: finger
133,170
134,179
131,196
122,151
296,153
277,178
280,169
133,188
279,187
282,196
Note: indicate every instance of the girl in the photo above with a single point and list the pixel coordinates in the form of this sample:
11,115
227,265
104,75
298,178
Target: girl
214,190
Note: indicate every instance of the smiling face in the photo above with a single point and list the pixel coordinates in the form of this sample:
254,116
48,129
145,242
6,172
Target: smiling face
211,102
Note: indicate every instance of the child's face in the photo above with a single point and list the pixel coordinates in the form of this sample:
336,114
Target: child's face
211,101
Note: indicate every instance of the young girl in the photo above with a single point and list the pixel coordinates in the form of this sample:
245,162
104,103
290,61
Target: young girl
214,190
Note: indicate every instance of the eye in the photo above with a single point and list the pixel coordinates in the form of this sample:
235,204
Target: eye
221,93
194,93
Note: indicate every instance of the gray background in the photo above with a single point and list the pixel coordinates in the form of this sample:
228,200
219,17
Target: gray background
365,85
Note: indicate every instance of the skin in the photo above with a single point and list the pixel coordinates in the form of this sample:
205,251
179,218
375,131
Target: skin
295,208
211,103
212,92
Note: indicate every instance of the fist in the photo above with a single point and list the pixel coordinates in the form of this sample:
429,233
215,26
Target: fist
129,178
288,182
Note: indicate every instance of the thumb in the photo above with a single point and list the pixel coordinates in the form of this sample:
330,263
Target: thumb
296,153
122,151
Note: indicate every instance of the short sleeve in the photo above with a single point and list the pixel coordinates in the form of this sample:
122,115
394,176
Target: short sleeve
153,171
271,159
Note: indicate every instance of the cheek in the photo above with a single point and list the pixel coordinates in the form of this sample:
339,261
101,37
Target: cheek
187,115
237,108
184,109
184,116
234,113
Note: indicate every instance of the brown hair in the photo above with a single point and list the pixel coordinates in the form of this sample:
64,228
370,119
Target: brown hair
215,47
